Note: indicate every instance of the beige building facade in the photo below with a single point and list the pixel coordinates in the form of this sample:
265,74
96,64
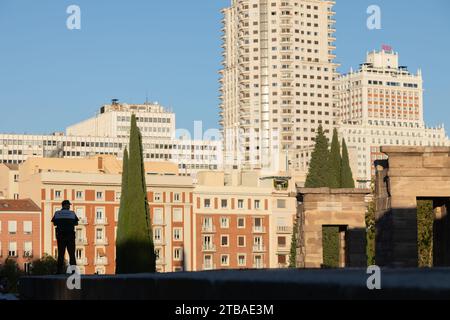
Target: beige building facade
243,220
216,221
9,181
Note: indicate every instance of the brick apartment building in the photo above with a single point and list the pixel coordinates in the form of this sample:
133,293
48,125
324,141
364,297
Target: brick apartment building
218,222
20,231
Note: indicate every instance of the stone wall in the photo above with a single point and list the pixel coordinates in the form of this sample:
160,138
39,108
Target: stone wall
411,173
326,207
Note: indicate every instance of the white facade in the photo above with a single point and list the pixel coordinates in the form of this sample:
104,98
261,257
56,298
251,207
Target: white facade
381,104
277,79
113,121
156,124
381,93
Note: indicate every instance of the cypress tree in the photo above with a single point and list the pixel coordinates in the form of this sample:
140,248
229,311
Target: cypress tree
346,173
318,174
293,251
123,216
335,162
134,235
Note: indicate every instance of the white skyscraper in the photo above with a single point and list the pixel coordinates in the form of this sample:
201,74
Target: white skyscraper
277,80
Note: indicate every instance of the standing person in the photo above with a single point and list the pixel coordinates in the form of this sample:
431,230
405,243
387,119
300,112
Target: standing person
65,221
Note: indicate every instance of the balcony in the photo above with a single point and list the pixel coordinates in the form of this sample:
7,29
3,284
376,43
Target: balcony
259,265
259,248
208,229
101,261
82,262
284,229
209,266
259,229
159,242
81,242
101,222
208,247
101,242
28,254
83,221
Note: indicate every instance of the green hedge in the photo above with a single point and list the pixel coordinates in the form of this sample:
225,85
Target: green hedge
425,220
330,243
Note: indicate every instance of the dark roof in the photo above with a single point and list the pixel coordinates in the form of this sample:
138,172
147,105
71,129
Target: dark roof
12,166
26,205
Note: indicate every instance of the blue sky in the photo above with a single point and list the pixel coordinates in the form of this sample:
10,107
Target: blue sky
51,77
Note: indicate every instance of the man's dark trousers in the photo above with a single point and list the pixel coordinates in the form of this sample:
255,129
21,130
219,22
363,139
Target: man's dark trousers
66,241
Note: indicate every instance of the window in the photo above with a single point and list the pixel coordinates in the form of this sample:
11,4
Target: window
157,197
282,259
177,254
257,204
27,227
208,224
225,260
99,195
240,204
282,242
207,203
118,196
224,203
281,204
116,214
158,216
177,197
12,227
157,234
12,249
224,241
207,262
79,254
79,195
99,215
178,234
99,234
241,241
158,255
224,223
16,178
28,249
241,223
177,215
242,261
58,195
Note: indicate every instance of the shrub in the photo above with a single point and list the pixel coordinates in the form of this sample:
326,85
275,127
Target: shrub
9,275
43,267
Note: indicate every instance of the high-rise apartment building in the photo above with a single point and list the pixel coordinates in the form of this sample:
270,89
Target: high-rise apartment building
277,79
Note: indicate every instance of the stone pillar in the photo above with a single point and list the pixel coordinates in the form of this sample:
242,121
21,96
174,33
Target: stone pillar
404,234
441,235
342,247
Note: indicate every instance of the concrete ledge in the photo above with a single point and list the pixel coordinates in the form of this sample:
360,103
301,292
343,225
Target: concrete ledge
332,191
245,285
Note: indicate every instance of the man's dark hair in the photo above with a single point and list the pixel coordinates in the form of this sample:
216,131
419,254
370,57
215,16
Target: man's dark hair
66,203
